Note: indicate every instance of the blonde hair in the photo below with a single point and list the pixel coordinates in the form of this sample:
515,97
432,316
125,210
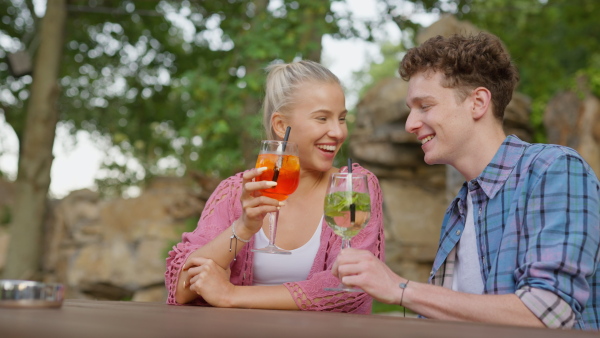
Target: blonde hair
282,81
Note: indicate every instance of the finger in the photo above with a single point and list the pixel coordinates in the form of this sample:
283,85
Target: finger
350,255
249,175
194,279
351,269
194,261
335,268
259,213
353,280
260,200
260,185
194,271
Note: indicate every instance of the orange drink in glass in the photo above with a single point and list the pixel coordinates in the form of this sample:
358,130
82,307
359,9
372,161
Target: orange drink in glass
283,167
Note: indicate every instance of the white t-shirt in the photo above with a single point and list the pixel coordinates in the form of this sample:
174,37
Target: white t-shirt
272,269
467,275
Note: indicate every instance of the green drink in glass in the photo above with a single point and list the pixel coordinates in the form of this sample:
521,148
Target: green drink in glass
347,210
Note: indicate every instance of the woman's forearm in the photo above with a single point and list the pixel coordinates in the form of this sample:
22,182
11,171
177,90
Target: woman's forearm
218,251
275,297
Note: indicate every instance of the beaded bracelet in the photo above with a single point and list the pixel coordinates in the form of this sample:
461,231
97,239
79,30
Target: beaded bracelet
234,235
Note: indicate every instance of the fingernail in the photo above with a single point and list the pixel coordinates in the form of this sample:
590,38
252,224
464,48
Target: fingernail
278,208
261,169
271,183
281,203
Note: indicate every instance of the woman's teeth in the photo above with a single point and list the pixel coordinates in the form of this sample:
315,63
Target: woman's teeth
427,139
326,147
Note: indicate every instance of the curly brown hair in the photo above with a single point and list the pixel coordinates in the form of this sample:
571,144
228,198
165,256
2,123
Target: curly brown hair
467,62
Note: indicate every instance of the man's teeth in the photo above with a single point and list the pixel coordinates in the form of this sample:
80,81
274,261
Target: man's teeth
427,139
326,147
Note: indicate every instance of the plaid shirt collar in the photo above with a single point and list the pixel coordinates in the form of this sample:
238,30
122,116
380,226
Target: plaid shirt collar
498,170
495,174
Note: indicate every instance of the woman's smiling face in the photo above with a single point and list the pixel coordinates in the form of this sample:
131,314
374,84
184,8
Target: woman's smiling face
317,118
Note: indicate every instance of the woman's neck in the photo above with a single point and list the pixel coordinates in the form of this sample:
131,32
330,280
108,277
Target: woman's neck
311,181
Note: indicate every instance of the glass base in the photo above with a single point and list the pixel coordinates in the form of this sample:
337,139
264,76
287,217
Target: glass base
345,288
271,249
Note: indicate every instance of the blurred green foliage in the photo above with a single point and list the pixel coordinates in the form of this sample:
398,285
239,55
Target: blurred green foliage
170,86
550,41
5,215
174,85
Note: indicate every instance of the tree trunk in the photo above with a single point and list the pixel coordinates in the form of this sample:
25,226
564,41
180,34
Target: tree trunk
35,161
251,104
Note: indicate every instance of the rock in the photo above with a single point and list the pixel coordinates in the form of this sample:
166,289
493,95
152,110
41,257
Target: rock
152,294
116,249
573,120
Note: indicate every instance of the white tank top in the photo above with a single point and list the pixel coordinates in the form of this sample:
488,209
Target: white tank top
270,269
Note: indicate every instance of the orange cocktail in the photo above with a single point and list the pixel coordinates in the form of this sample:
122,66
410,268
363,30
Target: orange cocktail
283,166
287,179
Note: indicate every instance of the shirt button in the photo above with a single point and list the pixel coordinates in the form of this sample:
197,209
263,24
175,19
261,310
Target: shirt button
480,211
432,273
457,232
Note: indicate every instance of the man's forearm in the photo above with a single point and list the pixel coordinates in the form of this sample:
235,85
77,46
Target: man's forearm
436,302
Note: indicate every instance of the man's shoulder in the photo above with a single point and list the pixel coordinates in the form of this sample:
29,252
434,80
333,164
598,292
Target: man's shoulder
545,154
539,157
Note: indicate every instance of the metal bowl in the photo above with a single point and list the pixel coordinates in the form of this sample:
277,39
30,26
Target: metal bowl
30,294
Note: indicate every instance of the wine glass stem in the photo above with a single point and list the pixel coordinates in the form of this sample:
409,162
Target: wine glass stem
273,218
345,243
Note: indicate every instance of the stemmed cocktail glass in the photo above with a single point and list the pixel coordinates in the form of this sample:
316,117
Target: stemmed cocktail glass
347,210
283,167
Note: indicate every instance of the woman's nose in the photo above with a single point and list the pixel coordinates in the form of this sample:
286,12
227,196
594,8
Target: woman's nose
337,130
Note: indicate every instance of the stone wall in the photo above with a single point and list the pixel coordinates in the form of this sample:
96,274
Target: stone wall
573,119
116,249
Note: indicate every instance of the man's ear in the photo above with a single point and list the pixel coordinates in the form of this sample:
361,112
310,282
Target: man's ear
278,124
482,102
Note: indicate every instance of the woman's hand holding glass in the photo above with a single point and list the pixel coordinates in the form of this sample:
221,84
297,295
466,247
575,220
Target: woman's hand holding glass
281,159
255,206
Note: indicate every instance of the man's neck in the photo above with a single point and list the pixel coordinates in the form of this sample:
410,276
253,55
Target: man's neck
482,150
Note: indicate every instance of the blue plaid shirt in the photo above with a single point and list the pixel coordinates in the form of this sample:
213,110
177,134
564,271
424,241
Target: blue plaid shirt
536,209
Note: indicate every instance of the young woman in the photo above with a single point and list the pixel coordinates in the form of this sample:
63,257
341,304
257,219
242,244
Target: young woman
202,269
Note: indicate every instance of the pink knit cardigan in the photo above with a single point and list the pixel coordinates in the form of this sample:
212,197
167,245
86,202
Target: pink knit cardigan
224,207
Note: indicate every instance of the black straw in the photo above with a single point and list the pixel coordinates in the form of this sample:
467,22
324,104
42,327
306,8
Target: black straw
287,135
352,206
278,164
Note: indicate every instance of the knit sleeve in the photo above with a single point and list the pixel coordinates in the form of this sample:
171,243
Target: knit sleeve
310,295
218,214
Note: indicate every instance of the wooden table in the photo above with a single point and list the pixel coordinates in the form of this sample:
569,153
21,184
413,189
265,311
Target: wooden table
87,318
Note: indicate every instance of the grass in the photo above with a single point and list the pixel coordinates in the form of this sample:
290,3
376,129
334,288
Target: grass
379,307
383,308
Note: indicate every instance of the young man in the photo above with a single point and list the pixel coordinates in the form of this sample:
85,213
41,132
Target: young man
520,244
